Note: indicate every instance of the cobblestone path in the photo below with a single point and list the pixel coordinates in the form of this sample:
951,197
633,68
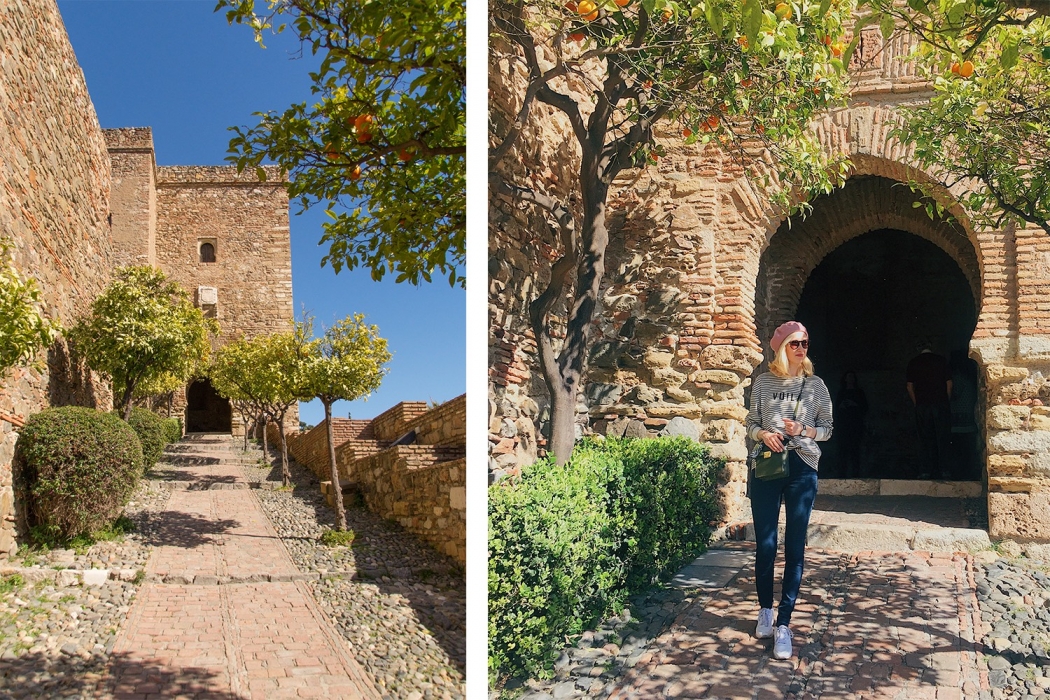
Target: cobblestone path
225,612
867,625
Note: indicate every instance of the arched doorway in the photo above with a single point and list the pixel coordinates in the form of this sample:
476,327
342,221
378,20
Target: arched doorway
874,278
206,411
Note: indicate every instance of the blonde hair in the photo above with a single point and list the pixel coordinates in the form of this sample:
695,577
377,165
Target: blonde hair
779,364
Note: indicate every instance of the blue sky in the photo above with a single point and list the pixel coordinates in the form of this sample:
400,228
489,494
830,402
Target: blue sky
176,66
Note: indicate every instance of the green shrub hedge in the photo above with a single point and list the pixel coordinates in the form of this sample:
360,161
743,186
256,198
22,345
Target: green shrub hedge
172,429
569,544
153,435
75,469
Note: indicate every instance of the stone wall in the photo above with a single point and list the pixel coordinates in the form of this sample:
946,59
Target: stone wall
55,183
701,268
162,216
311,447
422,487
420,483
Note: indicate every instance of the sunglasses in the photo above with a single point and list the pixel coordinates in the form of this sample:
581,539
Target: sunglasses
796,344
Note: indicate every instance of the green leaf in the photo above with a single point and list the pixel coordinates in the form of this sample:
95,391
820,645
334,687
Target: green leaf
752,16
825,5
1010,53
887,26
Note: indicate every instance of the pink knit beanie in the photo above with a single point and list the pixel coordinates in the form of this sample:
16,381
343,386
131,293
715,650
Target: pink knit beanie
783,331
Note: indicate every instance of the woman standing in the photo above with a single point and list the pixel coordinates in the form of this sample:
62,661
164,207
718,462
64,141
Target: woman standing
790,409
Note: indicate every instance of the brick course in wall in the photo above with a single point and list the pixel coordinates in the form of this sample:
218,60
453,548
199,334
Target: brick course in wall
700,269
54,206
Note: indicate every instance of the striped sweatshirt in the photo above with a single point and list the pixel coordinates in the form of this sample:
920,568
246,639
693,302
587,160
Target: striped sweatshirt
773,399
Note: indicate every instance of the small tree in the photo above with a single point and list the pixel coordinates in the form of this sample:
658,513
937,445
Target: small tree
265,373
23,330
346,364
142,329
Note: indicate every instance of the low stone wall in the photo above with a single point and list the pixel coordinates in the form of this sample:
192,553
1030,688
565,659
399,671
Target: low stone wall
444,425
310,449
421,488
395,421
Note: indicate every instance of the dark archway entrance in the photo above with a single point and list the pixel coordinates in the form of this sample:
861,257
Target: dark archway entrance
869,306
206,411
872,276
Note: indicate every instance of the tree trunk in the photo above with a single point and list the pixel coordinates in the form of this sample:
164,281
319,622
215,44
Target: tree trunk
337,489
564,374
286,472
125,402
265,440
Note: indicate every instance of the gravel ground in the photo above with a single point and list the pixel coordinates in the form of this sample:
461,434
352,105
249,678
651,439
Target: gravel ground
399,604
55,639
602,656
1014,596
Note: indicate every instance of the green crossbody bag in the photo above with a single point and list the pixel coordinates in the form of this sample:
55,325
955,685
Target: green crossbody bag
770,465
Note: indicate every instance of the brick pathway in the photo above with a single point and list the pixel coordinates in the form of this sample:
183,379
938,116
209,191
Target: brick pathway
242,628
867,625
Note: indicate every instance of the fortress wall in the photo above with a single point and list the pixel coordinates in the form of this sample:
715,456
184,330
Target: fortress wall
55,185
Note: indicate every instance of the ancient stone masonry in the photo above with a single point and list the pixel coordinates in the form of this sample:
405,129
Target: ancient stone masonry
700,270
54,203
77,202
221,234
408,464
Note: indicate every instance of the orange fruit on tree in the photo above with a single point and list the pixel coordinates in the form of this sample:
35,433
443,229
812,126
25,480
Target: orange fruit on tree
570,6
837,49
966,69
745,83
782,10
648,84
742,40
955,68
623,3
654,155
687,132
355,173
827,40
668,14
712,121
406,154
588,10
577,36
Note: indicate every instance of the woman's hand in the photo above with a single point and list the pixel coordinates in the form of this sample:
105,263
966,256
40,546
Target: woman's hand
793,427
773,440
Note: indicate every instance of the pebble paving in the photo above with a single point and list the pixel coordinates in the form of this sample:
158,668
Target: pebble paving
867,625
400,605
200,595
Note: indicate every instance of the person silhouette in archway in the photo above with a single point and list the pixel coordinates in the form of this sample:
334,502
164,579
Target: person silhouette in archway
851,405
790,410
929,383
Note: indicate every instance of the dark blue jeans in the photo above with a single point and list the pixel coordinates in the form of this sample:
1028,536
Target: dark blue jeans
797,493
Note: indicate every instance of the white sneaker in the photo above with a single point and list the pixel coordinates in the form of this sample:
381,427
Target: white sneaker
764,630
782,643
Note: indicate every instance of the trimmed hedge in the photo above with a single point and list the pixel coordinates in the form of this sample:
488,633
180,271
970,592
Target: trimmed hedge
172,429
76,469
153,435
568,545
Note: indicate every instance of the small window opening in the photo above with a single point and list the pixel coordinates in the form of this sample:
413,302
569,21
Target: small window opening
207,253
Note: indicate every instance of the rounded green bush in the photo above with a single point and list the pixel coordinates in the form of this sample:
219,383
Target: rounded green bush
153,435
172,429
75,469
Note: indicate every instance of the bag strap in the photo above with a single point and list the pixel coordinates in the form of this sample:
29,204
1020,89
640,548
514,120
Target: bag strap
794,412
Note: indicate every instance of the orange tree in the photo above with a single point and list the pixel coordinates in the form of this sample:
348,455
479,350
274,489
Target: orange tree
987,123
745,76
382,146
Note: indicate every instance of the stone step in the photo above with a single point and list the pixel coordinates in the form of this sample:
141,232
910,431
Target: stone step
901,487
878,537
208,485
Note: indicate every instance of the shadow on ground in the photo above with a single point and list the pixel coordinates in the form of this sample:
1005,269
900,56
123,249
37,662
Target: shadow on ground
172,529
44,675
